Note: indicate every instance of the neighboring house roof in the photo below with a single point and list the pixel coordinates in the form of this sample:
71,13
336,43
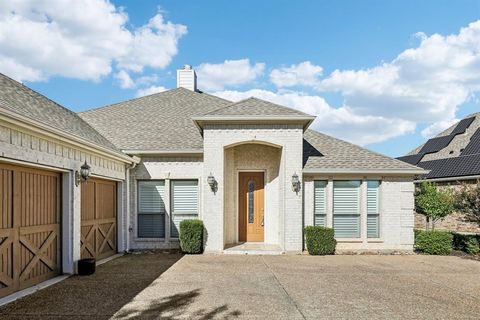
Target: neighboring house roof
325,154
20,100
454,153
158,122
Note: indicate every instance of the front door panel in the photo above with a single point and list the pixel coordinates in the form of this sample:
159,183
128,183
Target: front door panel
251,206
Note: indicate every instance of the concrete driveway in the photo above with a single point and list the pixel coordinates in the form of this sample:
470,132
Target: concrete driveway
275,287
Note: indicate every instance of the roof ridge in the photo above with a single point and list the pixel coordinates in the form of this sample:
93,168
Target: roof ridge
153,94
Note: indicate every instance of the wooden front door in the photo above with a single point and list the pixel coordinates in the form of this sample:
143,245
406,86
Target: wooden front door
251,206
99,218
29,227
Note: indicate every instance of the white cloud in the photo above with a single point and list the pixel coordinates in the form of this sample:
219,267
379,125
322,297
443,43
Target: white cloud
304,73
150,90
437,127
425,84
341,122
229,73
124,79
80,39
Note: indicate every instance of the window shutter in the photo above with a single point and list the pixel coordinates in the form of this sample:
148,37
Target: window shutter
346,209
151,209
373,215
320,205
184,203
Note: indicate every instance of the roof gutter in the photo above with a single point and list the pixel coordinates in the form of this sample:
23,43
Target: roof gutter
473,177
367,171
49,131
163,152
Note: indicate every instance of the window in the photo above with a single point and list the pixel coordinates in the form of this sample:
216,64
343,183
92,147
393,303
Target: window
184,203
320,203
346,209
151,209
373,221
251,192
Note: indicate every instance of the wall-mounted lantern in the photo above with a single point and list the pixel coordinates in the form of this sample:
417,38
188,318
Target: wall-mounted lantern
82,174
296,183
212,183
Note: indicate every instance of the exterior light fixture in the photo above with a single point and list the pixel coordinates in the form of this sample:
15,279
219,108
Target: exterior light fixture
83,174
295,183
212,183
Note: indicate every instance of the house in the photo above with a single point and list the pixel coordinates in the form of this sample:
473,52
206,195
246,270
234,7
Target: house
252,170
452,158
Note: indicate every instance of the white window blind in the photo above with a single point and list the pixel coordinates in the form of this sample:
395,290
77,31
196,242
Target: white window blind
151,209
320,203
373,214
346,209
184,203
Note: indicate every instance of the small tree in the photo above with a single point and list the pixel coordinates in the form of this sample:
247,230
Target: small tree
433,203
468,202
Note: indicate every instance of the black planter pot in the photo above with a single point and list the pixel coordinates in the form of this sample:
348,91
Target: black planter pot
86,266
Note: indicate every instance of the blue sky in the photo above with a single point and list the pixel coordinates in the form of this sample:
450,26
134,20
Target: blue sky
381,96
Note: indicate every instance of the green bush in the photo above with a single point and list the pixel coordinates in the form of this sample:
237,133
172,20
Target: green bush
434,242
461,240
320,240
191,236
472,246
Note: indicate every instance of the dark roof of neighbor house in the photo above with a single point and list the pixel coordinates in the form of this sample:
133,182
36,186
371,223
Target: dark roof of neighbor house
327,154
255,107
21,100
453,153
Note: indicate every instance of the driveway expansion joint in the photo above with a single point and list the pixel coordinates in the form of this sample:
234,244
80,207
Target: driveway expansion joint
283,288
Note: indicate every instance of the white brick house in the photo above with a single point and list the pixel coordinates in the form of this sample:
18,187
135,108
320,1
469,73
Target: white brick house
186,135
182,154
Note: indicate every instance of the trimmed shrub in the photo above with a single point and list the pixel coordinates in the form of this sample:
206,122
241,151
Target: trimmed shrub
472,246
191,236
434,242
460,240
320,240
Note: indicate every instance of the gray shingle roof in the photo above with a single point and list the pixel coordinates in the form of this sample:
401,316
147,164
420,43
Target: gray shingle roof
255,107
161,121
324,153
19,99
457,155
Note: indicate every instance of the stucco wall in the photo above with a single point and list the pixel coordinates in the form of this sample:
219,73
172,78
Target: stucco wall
289,138
161,168
396,212
253,157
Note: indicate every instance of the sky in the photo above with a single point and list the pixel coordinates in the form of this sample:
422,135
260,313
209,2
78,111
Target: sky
386,75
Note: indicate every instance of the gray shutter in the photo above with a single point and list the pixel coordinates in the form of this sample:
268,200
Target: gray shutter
320,203
151,209
373,215
346,209
184,203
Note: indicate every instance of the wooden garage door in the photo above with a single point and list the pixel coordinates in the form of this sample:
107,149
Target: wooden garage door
99,218
30,202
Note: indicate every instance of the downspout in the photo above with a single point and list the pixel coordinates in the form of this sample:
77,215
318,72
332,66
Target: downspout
136,160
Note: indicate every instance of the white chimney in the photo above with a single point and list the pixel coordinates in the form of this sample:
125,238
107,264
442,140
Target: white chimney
187,78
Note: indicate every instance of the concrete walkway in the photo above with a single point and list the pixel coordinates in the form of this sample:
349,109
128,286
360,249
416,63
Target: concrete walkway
265,287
